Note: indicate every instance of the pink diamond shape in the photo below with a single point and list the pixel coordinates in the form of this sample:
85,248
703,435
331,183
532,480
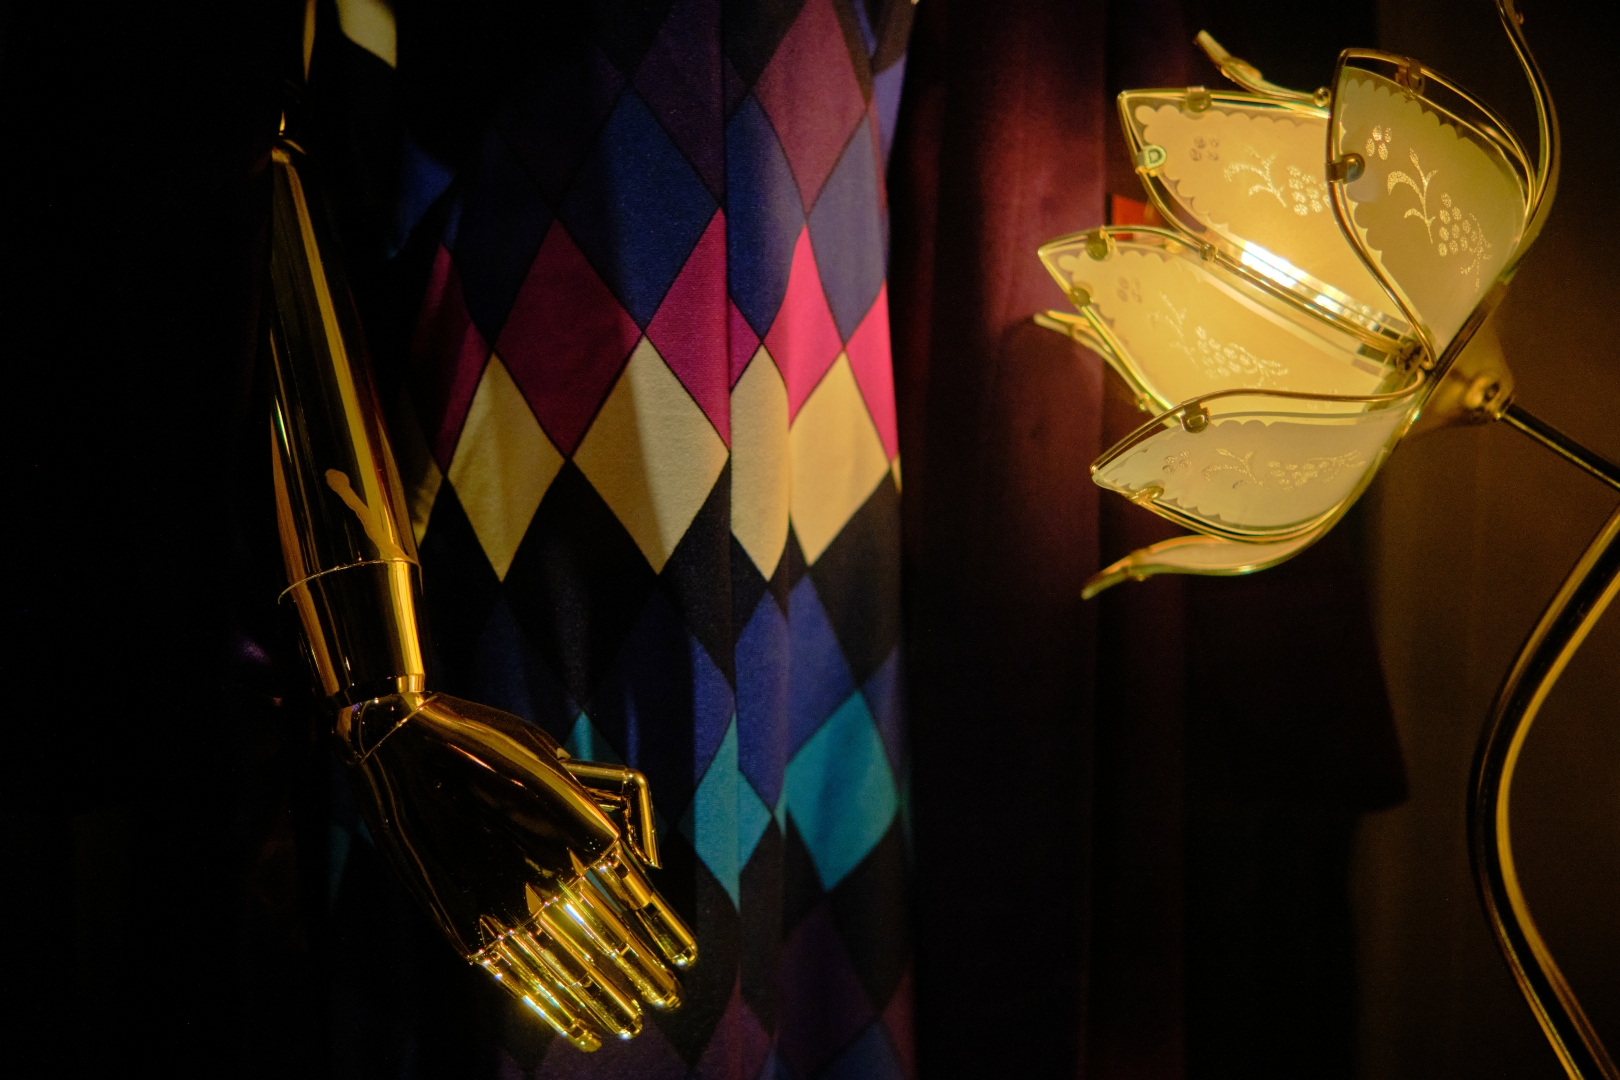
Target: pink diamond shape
566,339
810,92
804,339
869,358
689,331
741,342
739,1044
447,359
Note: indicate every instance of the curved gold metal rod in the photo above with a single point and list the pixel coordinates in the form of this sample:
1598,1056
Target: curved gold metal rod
1248,76
1548,152
1576,608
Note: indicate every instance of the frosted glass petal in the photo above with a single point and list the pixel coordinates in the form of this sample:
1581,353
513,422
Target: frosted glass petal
1210,556
1261,466
1185,327
1250,171
1438,206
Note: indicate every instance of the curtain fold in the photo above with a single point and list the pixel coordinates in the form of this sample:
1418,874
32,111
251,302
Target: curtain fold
1132,817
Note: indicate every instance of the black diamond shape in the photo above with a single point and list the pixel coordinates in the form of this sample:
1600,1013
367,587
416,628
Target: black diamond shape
459,589
858,580
502,223
856,47
510,674
869,907
893,29
760,888
801,885
789,569
706,986
625,30
577,583
645,708
555,115
752,29
695,577
747,586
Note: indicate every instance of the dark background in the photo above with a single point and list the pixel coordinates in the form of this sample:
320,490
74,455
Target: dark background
1201,889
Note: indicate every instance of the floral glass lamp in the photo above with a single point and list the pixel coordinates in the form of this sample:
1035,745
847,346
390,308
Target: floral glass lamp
1320,289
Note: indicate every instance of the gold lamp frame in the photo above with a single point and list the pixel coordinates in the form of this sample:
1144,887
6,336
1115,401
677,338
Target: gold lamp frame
1458,388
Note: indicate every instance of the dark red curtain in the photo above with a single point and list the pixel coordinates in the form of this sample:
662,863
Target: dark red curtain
1133,817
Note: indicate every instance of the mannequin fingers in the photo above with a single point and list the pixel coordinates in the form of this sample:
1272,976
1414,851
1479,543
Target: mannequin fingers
631,889
536,988
636,958
584,971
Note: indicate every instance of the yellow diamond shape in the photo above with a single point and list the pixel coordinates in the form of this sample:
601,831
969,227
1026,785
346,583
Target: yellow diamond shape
760,486
651,454
837,456
503,465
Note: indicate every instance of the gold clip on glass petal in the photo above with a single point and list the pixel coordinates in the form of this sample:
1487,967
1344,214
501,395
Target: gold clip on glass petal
1295,266
1433,190
1323,401
1241,175
1330,258
1177,324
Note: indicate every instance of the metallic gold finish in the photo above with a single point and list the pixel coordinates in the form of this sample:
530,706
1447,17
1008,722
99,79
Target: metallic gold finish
345,534
1288,463
1248,76
1475,389
1213,164
1579,603
626,798
529,861
1210,556
1562,445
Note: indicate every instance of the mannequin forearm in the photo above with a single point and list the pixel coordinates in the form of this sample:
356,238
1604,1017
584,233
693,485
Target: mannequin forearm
345,535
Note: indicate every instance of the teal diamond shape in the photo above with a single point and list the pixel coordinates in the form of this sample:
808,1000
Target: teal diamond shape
587,743
726,818
840,791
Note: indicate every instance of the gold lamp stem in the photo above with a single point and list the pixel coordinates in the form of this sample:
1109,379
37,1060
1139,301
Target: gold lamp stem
1562,445
1574,610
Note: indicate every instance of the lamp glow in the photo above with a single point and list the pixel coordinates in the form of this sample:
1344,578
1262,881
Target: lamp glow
1328,258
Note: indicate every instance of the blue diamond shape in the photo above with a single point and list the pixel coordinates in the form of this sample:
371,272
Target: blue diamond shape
502,221
884,693
762,656
818,675
422,179
886,97
840,791
763,216
846,231
636,208
726,818
870,1057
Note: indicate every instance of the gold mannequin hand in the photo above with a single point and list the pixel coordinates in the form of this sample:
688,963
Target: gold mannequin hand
531,863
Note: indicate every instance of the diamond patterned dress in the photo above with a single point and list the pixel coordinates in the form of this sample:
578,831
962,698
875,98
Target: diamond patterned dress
658,514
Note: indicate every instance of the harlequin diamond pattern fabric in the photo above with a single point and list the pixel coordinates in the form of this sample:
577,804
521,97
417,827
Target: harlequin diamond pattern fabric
652,371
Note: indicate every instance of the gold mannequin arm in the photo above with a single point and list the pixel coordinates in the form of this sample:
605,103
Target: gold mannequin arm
345,535
530,862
